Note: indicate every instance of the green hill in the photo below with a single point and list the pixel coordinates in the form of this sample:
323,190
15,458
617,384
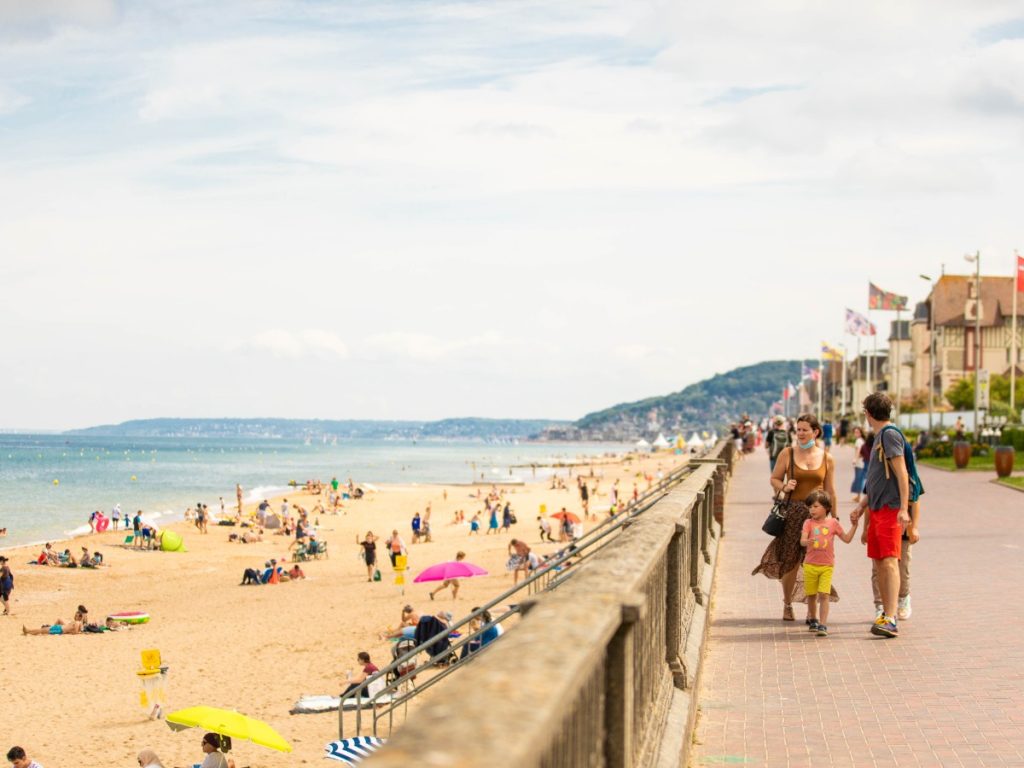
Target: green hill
709,404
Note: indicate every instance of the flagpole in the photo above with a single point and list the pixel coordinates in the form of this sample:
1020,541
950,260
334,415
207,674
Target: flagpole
899,334
858,365
821,386
842,399
874,354
1013,332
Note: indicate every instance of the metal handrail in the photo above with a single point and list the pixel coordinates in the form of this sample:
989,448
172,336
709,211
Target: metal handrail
581,549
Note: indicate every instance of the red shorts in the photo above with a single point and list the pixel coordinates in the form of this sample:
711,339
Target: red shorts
885,534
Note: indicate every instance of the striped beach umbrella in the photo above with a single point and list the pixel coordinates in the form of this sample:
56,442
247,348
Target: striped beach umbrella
353,750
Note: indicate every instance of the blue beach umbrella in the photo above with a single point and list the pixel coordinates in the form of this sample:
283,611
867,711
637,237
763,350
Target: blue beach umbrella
353,750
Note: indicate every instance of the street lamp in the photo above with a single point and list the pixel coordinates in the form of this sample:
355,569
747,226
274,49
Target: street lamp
931,350
975,259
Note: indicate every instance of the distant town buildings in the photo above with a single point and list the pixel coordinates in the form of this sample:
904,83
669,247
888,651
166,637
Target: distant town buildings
950,307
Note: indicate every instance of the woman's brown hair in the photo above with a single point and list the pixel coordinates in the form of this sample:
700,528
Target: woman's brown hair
810,418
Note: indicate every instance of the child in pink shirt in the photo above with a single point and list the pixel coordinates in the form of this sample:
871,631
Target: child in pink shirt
818,535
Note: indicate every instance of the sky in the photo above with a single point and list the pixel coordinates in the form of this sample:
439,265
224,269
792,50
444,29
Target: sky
405,209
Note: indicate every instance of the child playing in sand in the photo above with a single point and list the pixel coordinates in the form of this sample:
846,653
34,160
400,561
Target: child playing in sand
817,535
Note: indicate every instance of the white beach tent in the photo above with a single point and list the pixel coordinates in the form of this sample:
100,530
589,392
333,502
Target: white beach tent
660,442
642,445
695,443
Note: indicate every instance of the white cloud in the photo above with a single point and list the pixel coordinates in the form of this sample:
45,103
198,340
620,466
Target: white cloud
39,18
308,342
422,347
11,100
446,190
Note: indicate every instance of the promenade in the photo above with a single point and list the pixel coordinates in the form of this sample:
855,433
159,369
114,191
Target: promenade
948,692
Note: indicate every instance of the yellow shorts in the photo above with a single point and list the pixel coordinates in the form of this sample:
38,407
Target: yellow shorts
817,578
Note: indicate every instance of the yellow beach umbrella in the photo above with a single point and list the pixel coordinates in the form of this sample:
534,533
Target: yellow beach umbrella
227,722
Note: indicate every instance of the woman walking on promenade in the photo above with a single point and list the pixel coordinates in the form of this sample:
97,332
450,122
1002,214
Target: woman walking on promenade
802,467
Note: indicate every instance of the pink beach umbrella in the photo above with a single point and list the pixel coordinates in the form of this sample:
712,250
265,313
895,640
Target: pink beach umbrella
455,569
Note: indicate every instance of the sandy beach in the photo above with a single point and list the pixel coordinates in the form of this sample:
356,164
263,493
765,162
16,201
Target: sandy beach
254,648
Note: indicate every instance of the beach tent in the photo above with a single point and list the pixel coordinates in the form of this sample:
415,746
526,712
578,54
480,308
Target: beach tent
660,443
642,445
270,520
695,443
170,541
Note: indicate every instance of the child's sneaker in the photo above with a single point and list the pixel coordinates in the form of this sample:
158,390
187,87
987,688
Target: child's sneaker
887,628
904,608
822,630
812,625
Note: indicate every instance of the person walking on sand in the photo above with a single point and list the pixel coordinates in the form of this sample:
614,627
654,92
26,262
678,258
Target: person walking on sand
6,585
886,503
396,547
453,583
818,534
545,528
492,523
369,545
238,496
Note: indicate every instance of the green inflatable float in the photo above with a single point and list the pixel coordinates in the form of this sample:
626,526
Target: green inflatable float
172,542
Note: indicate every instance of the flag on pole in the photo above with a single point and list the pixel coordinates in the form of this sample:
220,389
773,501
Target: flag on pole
858,325
809,373
805,398
790,390
1020,273
828,352
879,299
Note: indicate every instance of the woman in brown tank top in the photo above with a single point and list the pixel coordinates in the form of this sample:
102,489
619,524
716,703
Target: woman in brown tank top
812,468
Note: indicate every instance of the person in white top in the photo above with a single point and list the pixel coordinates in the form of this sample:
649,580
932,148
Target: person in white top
214,758
16,757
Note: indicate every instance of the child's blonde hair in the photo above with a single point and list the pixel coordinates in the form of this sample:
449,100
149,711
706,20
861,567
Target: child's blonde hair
819,497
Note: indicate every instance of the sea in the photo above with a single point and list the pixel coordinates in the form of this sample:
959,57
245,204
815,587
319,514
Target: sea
49,484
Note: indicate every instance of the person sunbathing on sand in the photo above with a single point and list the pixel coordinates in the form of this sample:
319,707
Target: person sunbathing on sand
406,628
57,628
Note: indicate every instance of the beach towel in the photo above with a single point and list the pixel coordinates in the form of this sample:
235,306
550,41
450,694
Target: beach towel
353,750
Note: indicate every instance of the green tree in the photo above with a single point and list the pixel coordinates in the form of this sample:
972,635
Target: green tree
961,395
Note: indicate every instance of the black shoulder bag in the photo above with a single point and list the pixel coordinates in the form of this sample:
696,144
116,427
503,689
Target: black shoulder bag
775,523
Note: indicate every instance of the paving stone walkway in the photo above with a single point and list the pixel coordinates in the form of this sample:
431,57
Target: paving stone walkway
948,692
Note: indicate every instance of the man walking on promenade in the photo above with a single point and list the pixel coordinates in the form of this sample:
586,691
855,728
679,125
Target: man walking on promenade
886,500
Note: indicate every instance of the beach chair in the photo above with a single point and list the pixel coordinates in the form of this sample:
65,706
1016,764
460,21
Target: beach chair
301,554
321,550
128,540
